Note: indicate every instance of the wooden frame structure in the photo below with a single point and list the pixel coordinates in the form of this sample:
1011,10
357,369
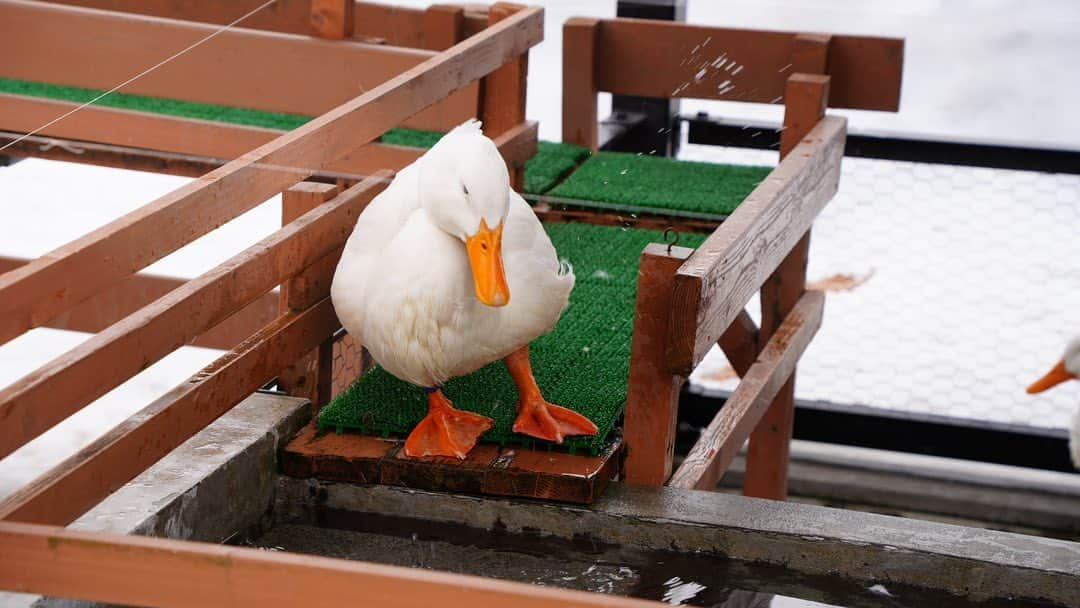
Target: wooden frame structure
691,300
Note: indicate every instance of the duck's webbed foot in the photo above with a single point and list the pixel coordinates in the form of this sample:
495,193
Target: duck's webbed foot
446,430
536,417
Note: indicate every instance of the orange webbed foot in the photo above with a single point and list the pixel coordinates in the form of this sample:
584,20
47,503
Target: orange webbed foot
446,430
543,420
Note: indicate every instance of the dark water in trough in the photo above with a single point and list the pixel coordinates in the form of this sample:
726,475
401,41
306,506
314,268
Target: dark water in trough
675,578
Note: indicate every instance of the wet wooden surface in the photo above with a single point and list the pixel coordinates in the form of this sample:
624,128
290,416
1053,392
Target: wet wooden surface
488,469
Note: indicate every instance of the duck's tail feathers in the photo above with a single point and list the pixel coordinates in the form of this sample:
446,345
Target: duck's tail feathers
469,126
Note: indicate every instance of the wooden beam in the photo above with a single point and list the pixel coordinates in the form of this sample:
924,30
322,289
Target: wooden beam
664,59
71,488
714,285
332,19
740,343
770,444
131,294
581,41
721,440
48,286
41,399
293,74
502,93
135,570
443,26
652,401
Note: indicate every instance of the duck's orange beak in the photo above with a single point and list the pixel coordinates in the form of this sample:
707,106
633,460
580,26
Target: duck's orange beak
1054,377
485,257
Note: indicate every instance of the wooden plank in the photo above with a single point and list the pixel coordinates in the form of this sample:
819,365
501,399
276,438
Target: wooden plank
332,19
511,471
721,440
740,343
309,376
443,26
135,570
770,444
652,401
131,294
714,285
663,59
294,74
581,42
502,93
31,295
71,488
51,393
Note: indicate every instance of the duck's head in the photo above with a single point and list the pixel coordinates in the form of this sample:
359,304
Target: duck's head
465,190
1066,369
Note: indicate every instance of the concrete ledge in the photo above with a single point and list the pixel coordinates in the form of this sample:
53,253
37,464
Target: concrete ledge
869,548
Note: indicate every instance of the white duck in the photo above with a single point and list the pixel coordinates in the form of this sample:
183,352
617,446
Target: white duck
425,283
1066,369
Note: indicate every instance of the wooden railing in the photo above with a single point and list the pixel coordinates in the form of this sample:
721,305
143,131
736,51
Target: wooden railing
690,300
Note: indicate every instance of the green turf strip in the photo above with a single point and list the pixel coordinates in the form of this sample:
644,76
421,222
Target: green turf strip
583,364
543,171
661,184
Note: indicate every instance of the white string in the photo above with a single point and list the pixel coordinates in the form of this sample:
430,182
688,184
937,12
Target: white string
140,74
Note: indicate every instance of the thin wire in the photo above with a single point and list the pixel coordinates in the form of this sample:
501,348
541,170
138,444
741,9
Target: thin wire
141,74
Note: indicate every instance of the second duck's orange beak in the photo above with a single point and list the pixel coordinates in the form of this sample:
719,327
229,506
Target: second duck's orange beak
1054,377
485,257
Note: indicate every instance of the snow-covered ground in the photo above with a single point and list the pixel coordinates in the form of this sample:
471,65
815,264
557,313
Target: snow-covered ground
976,273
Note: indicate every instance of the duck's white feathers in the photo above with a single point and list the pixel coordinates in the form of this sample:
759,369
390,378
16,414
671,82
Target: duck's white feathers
405,289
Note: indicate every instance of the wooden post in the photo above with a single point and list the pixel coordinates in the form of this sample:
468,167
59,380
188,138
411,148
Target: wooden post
581,36
443,26
502,94
332,19
652,402
806,97
311,376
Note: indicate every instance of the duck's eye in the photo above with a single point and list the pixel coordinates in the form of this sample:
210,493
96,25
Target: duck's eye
465,189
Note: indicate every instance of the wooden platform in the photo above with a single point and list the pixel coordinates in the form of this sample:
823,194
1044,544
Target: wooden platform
489,469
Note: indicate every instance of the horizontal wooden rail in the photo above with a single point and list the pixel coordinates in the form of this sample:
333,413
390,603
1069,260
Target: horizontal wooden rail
714,285
209,138
71,488
721,440
50,285
46,396
666,59
133,570
240,67
112,305
397,25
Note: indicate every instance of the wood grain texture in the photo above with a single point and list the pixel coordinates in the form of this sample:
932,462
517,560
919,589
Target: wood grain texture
443,26
652,401
488,469
740,342
41,399
295,74
714,285
663,59
134,570
721,440
332,19
39,291
581,41
770,444
502,93
74,486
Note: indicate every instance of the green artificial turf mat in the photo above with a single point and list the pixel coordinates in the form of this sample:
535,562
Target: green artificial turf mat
543,171
661,184
583,364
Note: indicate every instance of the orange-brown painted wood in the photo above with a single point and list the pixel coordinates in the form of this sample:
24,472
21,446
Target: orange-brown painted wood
488,469
443,26
770,444
310,375
581,39
135,570
41,399
131,294
46,287
740,343
652,401
706,462
332,19
74,486
294,74
714,285
502,93
664,59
